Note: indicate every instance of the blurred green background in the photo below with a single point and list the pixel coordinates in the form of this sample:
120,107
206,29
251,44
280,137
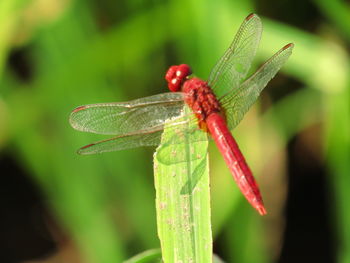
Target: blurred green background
57,206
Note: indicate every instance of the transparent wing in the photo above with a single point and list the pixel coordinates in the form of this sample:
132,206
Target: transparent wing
236,104
233,66
123,142
183,127
122,118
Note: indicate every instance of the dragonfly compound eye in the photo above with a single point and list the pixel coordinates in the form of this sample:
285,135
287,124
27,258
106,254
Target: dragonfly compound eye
183,71
176,75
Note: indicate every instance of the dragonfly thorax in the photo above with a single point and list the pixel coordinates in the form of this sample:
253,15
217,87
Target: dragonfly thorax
201,99
176,76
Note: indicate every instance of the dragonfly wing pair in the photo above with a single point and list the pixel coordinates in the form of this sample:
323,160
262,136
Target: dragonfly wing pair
227,77
135,123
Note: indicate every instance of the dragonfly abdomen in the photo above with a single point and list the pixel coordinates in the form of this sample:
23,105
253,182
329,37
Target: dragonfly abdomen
235,161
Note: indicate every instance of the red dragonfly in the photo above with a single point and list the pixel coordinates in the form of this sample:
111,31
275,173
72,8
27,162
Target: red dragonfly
217,106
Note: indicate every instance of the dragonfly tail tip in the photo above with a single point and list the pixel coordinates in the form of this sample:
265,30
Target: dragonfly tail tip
261,209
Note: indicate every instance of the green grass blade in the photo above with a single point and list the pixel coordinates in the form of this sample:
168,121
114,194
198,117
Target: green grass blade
183,199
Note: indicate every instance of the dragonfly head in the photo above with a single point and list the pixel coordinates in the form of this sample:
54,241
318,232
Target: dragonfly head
176,75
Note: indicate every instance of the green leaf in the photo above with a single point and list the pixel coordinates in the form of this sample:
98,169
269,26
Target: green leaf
183,196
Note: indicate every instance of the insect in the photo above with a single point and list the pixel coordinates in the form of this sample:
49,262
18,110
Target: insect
217,106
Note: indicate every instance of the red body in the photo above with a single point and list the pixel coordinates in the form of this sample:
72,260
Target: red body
235,161
206,107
